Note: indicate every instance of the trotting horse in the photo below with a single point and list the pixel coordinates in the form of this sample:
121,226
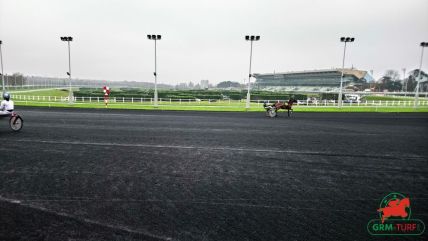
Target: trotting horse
271,110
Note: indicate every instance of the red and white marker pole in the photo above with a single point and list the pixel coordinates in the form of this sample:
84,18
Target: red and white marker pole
106,91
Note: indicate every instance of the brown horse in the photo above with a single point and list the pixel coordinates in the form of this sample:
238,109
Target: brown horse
271,110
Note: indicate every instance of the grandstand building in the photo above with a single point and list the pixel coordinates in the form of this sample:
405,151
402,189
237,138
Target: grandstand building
314,80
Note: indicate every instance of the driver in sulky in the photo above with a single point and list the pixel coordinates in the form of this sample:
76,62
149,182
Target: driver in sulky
6,106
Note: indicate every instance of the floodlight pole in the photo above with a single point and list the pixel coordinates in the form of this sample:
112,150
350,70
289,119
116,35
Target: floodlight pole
339,101
418,79
251,39
156,78
1,60
247,105
155,38
345,40
70,90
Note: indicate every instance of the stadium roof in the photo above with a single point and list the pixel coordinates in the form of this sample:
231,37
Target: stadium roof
358,73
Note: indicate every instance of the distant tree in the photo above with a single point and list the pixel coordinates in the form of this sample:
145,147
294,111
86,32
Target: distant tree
17,79
394,85
392,74
390,81
411,80
228,84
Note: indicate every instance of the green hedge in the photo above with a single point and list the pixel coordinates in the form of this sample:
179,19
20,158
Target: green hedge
189,94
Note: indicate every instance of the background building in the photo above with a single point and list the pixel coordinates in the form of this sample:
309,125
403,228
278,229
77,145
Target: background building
313,80
204,84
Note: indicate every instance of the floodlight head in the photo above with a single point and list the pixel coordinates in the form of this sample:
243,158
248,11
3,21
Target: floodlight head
347,39
252,37
149,36
247,37
153,36
424,44
1,42
342,39
158,37
352,39
257,38
66,38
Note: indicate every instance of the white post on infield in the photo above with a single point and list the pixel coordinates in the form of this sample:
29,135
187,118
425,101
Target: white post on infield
418,79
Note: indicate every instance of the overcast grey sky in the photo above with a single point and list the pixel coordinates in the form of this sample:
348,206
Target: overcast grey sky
204,39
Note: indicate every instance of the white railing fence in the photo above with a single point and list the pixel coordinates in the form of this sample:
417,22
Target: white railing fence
218,102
